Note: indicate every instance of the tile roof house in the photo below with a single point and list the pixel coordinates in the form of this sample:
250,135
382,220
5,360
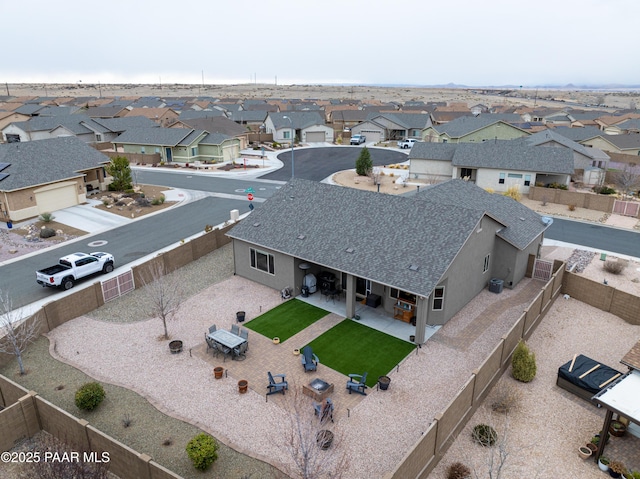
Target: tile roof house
498,165
47,175
434,251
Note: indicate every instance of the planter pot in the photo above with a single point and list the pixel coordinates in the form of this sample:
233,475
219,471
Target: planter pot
603,467
592,447
175,346
584,452
276,340
217,372
242,386
614,474
240,315
383,382
412,338
296,352
324,438
617,429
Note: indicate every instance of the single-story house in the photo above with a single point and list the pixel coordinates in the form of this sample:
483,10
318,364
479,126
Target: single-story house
470,129
180,145
48,175
428,254
306,126
493,164
392,126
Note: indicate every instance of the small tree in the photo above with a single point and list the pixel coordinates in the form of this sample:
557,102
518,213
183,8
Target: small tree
164,294
120,170
364,163
16,331
627,180
523,363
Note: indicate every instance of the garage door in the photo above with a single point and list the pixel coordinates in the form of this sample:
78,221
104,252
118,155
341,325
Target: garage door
315,136
56,198
373,135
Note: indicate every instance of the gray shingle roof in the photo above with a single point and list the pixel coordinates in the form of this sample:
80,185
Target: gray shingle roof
153,136
579,134
118,125
514,155
387,233
549,136
299,119
467,124
74,123
45,161
432,151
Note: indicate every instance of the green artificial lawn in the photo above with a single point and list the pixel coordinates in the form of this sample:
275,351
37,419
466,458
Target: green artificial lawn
286,320
349,347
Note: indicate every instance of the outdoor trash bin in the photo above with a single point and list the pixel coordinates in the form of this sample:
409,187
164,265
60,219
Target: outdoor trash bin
240,316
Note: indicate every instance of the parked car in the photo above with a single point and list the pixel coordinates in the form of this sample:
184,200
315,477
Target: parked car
72,267
358,139
407,143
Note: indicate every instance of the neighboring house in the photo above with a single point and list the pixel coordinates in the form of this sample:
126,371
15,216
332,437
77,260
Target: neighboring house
434,251
392,126
589,163
180,145
47,175
162,116
219,124
497,165
475,129
47,127
306,126
107,111
8,117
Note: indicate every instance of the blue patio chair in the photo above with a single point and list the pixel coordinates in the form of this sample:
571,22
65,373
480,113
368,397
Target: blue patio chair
235,329
357,384
324,410
308,359
277,386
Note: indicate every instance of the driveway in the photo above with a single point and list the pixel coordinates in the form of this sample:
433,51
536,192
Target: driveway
316,164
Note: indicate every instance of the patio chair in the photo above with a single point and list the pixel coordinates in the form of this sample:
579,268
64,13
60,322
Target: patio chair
357,384
324,410
235,329
224,350
277,386
240,351
212,328
308,359
211,344
244,334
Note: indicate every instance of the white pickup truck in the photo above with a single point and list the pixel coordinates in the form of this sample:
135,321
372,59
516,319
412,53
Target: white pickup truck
358,139
408,143
73,267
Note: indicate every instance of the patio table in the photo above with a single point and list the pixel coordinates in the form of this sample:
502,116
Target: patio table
227,339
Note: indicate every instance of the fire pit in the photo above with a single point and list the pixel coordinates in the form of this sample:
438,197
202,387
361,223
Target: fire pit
175,346
317,389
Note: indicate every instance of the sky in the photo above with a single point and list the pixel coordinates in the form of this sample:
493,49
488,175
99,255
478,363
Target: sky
284,42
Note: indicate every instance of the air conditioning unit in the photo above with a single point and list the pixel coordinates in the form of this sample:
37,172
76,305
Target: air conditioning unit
496,285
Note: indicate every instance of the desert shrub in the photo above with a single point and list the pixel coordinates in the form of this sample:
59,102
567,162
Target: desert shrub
614,267
46,217
506,397
572,207
558,186
89,396
202,449
158,200
276,145
523,363
513,192
604,190
457,470
485,435
490,190
47,233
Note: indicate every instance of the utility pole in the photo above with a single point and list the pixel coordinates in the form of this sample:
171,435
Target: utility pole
7,85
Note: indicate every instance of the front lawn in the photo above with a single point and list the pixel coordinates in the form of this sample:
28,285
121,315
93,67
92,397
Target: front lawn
349,347
286,320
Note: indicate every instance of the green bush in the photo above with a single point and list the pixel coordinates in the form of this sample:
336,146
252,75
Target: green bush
46,217
485,435
523,363
364,165
202,450
47,233
158,201
89,396
604,190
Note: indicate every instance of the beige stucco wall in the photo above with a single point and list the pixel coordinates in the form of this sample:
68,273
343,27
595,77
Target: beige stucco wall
437,169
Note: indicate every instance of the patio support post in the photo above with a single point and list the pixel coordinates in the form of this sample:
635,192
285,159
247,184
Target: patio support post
603,435
350,290
421,318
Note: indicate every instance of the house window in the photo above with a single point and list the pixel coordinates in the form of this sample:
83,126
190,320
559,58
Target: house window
501,179
515,175
485,267
402,295
142,150
527,180
286,134
157,149
466,172
262,261
438,299
98,137
194,151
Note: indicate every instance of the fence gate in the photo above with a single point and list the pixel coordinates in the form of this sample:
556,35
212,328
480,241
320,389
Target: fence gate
542,269
115,287
626,208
